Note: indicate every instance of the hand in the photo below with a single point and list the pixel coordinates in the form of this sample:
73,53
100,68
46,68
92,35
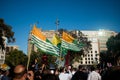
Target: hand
30,75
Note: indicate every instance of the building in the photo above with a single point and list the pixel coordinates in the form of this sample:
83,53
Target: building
4,48
103,36
98,41
10,48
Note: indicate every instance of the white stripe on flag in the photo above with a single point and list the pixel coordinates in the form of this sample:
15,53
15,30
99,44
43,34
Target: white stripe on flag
70,46
45,46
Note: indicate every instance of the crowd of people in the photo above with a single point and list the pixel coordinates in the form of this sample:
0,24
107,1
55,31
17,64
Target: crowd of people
20,72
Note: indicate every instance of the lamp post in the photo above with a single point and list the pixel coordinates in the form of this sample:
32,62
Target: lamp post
57,23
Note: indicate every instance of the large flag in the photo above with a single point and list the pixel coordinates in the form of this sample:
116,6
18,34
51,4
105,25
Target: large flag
68,42
42,42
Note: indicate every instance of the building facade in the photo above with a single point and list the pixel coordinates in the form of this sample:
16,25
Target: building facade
10,48
98,42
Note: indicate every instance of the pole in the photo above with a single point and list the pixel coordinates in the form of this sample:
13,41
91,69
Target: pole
57,23
29,48
30,45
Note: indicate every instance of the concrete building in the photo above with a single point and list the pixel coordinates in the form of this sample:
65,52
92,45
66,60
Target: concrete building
10,48
4,52
98,41
6,49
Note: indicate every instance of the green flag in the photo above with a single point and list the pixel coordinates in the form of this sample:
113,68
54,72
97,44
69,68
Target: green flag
42,43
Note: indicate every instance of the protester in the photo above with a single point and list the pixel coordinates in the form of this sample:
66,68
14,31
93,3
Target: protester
63,75
94,75
73,71
112,73
79,74
4,72
50,77
20,73
38,75
5,75
35,65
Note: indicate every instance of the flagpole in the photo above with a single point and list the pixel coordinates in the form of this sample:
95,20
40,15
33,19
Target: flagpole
29,46
57,23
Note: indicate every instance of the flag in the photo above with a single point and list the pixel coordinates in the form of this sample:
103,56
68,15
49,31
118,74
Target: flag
56,40
42,43
68,42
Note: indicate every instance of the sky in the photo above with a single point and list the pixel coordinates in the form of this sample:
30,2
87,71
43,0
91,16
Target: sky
72,14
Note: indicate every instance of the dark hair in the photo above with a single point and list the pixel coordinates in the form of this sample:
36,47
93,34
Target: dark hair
79,67
62,69
92,68
50,77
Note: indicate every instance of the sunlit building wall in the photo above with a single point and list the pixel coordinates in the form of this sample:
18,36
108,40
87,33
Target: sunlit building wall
10,48
103,36
98,41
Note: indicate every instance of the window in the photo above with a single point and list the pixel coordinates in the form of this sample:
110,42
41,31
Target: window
91,51
81,62
96,54
91,55
88,55
96,58
89,62
95,51
2,57
92,62
7,49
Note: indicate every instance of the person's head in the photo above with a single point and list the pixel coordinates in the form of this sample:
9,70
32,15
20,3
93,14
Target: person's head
84,70
20,72
80,67
62,69
92,68
69,67
56,72
36,60
50,77
95,68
